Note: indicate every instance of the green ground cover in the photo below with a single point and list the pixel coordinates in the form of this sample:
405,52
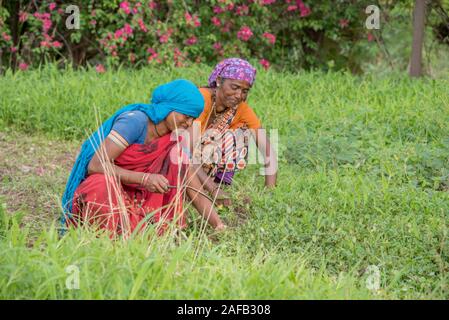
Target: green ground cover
363,181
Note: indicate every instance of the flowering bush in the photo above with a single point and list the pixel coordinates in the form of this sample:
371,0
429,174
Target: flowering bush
283,33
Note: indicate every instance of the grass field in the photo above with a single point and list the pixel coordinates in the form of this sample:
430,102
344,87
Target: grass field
363,183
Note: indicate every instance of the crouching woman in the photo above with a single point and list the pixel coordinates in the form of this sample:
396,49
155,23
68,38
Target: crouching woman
128,174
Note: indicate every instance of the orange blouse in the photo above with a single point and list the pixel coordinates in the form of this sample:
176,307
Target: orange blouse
244,115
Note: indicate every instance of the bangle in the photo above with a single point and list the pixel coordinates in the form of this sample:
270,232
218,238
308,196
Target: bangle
143,180
147,176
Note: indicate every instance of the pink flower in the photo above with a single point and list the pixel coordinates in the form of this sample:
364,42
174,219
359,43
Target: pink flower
267,2
344,23
118,34
52,6
196,21
156,59
125,7
191,41
48,38
218,48
178,57
370,36
227,27
244,33
100,68
153,55
23,16
56,44
242,10
45,44
45,19
230,7
136,8
218,10
46,25
216,21
305,11
164,38
142,25
6,37
265,63
292,8
93,22
188,17
13,49
23,66
270,37
152,5
128,30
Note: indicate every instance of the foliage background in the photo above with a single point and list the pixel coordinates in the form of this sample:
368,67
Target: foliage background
287,34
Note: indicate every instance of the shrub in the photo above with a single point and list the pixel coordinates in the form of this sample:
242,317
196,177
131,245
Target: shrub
287,33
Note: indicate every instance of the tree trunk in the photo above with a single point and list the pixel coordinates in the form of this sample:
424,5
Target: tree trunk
14,25
419,16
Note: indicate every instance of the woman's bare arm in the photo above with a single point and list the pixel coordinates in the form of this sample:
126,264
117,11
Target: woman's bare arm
202,204
270,157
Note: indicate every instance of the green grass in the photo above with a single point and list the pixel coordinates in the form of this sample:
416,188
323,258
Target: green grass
363,180
157,269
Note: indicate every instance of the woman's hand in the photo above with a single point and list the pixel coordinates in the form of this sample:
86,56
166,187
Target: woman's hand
155,182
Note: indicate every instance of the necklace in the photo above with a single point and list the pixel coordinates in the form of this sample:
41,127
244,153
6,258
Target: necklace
214,103
214,107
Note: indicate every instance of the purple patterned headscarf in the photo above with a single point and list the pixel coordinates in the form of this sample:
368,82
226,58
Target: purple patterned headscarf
233,68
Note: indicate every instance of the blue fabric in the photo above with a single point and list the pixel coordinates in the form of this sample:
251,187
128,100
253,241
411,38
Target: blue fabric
132,126
179,95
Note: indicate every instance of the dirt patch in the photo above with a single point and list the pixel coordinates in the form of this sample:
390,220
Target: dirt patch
239,211
33,173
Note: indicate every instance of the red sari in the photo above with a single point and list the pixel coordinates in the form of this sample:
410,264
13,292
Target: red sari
105,202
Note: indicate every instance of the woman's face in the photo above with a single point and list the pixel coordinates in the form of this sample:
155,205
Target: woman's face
232,92
178,120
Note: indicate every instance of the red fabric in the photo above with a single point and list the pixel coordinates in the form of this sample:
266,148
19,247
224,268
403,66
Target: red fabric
96,202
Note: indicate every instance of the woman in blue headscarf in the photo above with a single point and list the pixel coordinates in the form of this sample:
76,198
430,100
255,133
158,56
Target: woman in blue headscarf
131,172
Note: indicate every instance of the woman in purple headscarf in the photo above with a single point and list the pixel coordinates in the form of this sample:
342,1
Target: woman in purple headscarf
226,124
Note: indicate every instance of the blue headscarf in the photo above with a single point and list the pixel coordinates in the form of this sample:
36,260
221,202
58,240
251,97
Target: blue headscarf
179,95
